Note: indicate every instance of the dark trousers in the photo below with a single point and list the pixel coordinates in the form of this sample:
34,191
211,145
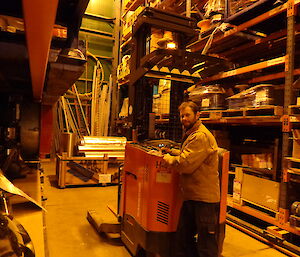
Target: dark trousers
198,230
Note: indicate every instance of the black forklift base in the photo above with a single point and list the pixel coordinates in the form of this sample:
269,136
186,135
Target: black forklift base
102,226
137,239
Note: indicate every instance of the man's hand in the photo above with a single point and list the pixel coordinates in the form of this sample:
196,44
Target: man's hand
165,150
168,159
156,153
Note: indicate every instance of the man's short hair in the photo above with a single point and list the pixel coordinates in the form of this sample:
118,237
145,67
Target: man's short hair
195,108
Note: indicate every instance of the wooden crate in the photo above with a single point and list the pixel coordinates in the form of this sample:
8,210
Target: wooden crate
72,171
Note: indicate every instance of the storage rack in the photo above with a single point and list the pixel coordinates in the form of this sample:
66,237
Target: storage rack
277,65
145,68
260,58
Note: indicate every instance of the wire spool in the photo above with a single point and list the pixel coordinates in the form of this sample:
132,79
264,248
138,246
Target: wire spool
295,209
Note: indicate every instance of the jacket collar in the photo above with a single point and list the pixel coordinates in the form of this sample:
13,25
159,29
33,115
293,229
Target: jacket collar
191,130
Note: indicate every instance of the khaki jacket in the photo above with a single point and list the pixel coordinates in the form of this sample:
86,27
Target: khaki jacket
197,163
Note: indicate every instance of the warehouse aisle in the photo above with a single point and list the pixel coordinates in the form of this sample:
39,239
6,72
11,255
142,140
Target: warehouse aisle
69,234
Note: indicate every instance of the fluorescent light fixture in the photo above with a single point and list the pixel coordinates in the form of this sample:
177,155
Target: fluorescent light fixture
171,45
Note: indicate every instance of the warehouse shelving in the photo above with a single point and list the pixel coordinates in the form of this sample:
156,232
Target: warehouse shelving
246,69
219,39
267,57
131,6
263,216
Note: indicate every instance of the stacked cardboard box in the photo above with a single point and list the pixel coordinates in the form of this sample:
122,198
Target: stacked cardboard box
262,161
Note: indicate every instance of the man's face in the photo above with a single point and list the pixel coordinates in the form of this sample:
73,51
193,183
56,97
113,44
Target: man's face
188,118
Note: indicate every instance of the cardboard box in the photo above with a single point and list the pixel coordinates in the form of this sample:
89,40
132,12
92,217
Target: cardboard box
260,191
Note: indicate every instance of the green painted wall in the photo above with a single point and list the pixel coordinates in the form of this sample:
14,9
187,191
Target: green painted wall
96,45
101,7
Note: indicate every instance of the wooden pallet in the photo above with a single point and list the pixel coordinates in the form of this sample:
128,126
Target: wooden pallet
259,208
253,112
294,110
212,115
233,113
293,164
277,232
263,111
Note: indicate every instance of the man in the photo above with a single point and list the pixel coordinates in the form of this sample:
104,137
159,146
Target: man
197,163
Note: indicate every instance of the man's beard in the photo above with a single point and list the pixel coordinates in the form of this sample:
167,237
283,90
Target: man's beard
187,127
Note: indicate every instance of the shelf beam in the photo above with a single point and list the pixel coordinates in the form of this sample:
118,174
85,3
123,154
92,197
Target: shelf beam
262,216
270,77
134,4
199,45
246,69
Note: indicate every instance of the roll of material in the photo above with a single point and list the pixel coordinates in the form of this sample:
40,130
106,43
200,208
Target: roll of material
295,209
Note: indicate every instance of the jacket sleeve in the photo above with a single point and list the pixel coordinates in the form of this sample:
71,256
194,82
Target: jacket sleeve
192,155
175,151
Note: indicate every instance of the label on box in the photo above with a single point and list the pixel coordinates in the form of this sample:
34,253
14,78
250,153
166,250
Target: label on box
205,102
162,177
237,186
236,197
104,178
261,95
164,173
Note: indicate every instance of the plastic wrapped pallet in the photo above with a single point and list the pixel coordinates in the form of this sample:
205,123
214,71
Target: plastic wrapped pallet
256,96
210,97
239,5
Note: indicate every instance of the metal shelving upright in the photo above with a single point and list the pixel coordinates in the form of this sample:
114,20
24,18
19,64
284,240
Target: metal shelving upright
276,66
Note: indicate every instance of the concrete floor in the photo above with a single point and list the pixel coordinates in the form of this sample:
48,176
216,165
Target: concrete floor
69,234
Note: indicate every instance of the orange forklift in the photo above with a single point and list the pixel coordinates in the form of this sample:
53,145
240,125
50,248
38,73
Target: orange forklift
150,201
149,196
